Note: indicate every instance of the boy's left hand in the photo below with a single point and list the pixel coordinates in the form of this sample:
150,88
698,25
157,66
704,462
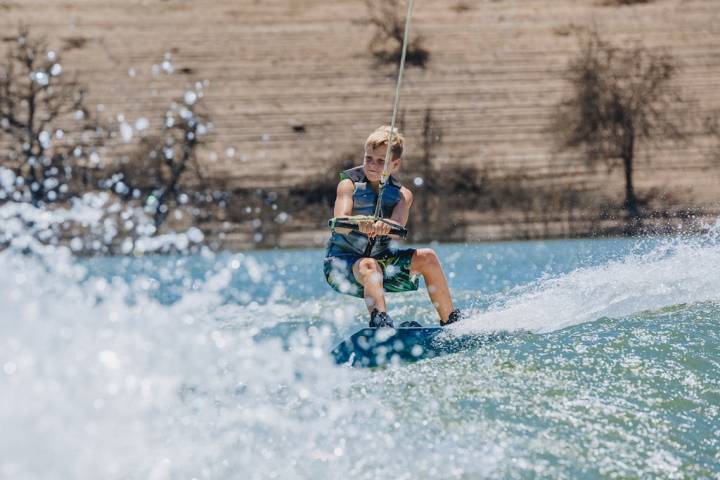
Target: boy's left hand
374,229
381,229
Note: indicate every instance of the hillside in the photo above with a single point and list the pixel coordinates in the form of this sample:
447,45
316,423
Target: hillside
292,86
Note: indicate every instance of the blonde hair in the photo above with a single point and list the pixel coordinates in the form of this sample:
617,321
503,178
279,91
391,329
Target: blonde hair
381,136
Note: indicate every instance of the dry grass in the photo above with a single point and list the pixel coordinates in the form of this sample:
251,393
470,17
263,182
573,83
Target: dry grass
496,73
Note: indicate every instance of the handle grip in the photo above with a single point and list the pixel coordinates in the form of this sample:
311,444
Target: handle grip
350,224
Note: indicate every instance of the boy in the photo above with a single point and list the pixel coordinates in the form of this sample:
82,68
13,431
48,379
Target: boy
364,264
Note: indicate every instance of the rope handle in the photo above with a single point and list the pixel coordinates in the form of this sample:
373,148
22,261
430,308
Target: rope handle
345,225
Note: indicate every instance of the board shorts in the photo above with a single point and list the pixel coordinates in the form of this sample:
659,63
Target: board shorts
395,265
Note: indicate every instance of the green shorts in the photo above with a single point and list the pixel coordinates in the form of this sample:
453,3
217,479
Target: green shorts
395,265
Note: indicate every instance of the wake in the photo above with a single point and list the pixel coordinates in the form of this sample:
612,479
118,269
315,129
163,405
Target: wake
678,271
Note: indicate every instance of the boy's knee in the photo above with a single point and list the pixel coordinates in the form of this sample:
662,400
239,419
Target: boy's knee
368,265
424,259
368,272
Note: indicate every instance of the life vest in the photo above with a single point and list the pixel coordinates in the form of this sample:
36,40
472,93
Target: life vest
364,202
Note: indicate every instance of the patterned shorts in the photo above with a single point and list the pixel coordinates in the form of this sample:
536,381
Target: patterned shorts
395,265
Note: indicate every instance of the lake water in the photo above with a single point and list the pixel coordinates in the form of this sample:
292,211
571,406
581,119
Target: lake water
216,366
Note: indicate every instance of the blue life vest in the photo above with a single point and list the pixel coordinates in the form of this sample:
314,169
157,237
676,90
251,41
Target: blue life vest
364,201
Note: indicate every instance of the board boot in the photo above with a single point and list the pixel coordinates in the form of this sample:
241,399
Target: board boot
380,319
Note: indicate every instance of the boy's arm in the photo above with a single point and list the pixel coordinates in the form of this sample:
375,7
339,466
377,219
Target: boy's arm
401,212
344,198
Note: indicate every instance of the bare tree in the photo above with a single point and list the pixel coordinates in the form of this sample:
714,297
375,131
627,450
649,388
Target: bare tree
712,128
431,136
617,3
155,173
388,18
440,191
46,129
620,99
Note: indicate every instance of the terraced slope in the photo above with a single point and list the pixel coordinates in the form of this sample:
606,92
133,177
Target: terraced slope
495,73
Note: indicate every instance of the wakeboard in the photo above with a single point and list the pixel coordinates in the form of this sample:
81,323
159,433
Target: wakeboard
372,347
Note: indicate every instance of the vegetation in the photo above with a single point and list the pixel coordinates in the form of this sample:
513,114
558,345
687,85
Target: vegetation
156,172
619,100
712,127
56,150
615,3
52,137
388,19
429,217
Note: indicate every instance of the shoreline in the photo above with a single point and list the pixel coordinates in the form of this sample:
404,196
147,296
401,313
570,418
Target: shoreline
490,233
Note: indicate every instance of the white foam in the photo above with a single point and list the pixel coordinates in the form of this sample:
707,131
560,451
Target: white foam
103,388
677,271
99,380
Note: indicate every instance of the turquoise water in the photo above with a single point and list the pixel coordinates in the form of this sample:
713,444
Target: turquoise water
216,366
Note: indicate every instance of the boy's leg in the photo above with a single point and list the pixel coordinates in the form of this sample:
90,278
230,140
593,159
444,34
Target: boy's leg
368,273
426,262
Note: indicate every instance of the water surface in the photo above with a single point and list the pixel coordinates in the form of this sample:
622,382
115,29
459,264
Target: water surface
162,367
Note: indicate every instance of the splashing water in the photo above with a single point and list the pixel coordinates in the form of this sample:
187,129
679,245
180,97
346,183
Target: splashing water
159,366
672,273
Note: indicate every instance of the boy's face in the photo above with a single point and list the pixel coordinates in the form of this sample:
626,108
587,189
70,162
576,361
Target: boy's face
374,162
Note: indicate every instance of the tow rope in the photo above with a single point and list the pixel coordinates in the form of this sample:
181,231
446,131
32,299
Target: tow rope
388,152
385,173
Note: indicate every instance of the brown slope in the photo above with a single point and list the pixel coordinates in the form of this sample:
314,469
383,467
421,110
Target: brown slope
496,71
